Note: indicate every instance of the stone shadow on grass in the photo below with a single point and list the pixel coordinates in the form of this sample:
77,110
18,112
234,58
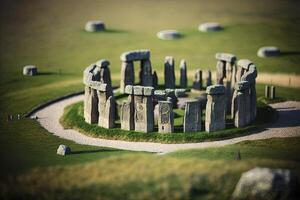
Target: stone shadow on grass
289,53
94,151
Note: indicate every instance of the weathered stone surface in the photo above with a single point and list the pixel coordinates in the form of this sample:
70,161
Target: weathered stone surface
94,26
244,63
221,71
227,57
268,51
215,108
144,115
155,80
197,84
129,56
206,74
148,91
30,70
107,116
241,104
129,89
180,92
146,73
267,91
160,95
265,183
170,93
183,74
168,34
103,63
210,26
138,90
192,116
91,113
250,76
169,72
127,114
63,150
215,89
272,93
165,117
127,75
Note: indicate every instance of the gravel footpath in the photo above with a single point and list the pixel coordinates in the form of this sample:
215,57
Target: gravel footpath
287,125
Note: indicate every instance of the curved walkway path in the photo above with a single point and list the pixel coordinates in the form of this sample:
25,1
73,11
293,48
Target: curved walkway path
287,125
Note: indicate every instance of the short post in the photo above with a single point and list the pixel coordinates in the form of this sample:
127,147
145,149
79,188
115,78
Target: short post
267,91
273,94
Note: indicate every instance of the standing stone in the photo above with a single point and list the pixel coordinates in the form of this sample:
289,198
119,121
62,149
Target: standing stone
107,118
192,117
197,84
143,114
127,75
165,117
155,80
146,73
220,71
183,74
215,108
207,78
241,104
127,110
103,95
91,113
272,95
250,74
169,72
170,93
267,91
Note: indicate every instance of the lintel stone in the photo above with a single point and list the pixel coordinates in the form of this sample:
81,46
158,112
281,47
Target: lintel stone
215,89
138,90
102,63
142,54
129,89
148,91
244,63
226,57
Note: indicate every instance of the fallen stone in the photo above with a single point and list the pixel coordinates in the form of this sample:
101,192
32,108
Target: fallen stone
268,51
210,26
94,26
168,35
63,150
265,183
30,70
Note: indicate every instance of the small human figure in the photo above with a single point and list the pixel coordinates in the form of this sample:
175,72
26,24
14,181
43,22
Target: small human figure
19,116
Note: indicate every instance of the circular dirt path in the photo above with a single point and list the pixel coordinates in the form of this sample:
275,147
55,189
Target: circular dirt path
287,125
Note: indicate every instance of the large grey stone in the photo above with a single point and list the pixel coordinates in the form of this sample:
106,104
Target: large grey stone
127,75
30,70
94,26
142,54
244,63
63,150
265,183
168,34
227,57
192,116
165,117
221,71
107,116
215,89
103,63
210,26
268,51
215,108
127,114
169,72
241,104
197,84
206,75
183,74
91,113
155,79
146,78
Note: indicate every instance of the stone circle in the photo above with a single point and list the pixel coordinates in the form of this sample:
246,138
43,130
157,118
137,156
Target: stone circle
30,70
268,51
168,34
94,26
210,27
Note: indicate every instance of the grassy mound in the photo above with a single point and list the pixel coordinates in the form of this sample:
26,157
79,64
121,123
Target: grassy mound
73,119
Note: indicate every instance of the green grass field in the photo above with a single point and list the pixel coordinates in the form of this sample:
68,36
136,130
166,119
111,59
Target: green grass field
50,34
